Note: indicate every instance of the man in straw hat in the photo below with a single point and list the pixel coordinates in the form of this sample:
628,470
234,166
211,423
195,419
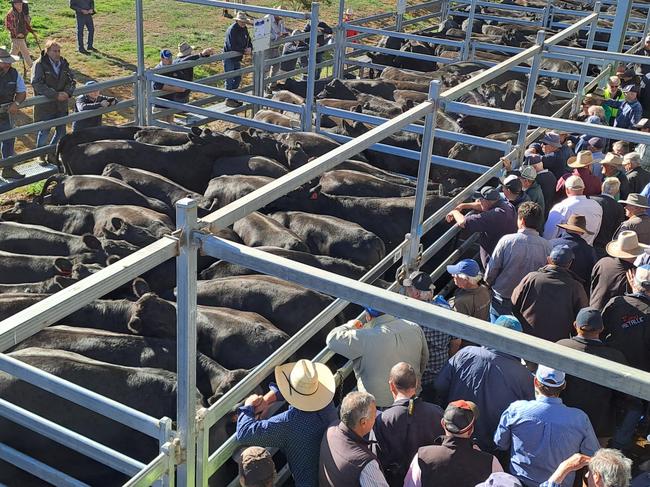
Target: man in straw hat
627,328
256,468
375,348
573,232
636,207
541,433
575,202
595,400
18,23
452,459
346,457
187,53
546,301
477,374
581,165
609,276
407,425
12,93
237,40
309,388
612,165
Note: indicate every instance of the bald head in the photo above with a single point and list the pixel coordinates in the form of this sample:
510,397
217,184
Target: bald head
403,380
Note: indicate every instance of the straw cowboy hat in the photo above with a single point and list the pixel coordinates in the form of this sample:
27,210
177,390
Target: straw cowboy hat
613,159
626,246
242,17
635,199
577,224
583,159
184,49
306,385
7,58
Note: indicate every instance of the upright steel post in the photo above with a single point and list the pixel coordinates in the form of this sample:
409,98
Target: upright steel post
141,82
341,37
530,89
166,436
186,221
586,61
617,34
258,76
646,27
546,18
399,19
411,253
311,68
468,32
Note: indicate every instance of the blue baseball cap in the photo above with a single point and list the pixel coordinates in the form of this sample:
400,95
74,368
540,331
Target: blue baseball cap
589,319
468,267
166,53
550,377
373,312
509,322
562,255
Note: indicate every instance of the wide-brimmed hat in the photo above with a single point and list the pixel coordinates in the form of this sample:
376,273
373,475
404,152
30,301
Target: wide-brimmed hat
613,159
242,17
306,385
583,159
184,49
577,224
6,57
626,246
636,199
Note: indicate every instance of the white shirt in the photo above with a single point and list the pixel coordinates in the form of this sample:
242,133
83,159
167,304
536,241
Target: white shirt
574,205
371,476
277,28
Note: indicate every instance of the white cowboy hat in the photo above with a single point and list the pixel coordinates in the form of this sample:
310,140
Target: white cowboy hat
626,246
583,159
306,385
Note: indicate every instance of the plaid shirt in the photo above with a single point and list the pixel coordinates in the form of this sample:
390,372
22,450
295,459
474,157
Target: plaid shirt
438,344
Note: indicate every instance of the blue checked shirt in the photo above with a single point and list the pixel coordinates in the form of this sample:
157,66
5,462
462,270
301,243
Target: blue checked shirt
540,435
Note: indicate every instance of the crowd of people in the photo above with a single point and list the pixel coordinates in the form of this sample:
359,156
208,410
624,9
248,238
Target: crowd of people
564,243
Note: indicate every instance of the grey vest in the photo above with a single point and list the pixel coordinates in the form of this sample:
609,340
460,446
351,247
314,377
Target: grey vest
343,455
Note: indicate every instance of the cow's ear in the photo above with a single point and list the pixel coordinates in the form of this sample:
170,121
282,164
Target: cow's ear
63,266
91,242
409,104
346,125
196,131
140,287
357,109
314,192
61,282
207,132
135,325
112,259
117,224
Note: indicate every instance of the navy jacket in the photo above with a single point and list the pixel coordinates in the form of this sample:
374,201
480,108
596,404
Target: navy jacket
237,39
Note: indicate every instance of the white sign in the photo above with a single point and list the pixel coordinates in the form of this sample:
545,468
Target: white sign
261,34
401,7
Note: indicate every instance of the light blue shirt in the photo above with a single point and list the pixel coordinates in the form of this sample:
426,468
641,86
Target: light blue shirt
56,66
540,435
20,84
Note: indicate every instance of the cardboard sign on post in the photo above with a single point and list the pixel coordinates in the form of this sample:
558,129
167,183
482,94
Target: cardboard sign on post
261,34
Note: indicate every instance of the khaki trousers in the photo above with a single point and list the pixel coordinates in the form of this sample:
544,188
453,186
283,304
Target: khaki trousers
20,46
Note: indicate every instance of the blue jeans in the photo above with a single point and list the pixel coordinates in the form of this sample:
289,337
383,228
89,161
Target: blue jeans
41,138
499,306
7,145
232,65
624,434
85,20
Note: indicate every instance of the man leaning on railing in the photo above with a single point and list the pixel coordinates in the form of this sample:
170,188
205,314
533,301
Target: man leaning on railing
12,93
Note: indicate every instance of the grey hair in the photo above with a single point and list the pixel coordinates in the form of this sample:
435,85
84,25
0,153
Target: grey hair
611,186
633,157
356,406
472,279
612,466
597,111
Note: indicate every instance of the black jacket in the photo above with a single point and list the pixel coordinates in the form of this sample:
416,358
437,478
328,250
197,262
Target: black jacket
46,82
79,5
237,39
627,328
84,103
608,280
613,216
638,178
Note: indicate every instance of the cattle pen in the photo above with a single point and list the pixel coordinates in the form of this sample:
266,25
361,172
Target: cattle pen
185,454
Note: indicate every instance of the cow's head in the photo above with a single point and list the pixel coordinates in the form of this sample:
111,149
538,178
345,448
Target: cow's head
336,89
122,230
153,316
20,209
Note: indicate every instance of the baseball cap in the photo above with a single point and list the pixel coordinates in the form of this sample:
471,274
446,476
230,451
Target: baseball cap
631,88
419,280
537,146
373,312
596,143
574,182
487,193
166,53
643,124
459,416
549,377
589,319
468,267
642,276
562,255
500,479
628,73
551,138
256,466
513,183
528,172
509,322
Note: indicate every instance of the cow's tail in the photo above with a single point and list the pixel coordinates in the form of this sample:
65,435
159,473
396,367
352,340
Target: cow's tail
48,182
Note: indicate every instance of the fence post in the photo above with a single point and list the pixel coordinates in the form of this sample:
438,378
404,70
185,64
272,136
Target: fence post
186,221
258,76
341,38
311,68
586,61
617,34
468,32
141,82
530,89
412,251
166,436
399,20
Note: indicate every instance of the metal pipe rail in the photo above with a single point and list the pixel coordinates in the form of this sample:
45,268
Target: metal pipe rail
249,8
155,469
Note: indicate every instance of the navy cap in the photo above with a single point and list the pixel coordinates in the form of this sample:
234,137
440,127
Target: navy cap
373,312
562,255
419,280
631,88
551,139
596,143
468,267
487,193
537,146
166,53
589,319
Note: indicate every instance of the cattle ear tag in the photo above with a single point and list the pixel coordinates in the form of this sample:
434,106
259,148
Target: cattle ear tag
314,196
